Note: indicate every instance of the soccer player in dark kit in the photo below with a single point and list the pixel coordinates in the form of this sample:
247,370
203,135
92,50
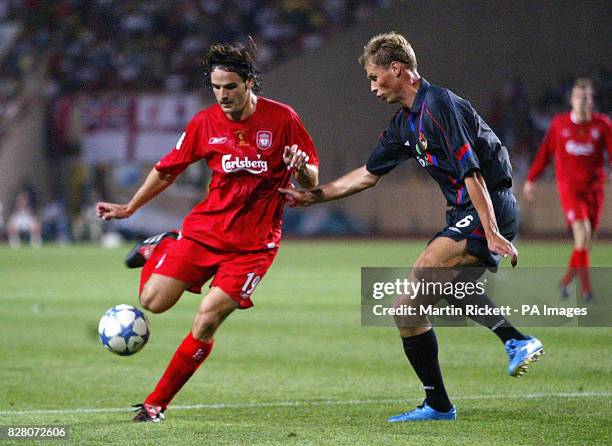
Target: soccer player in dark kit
253,146
578,141
458,149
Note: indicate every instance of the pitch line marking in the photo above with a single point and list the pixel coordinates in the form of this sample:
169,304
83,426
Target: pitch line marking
306,403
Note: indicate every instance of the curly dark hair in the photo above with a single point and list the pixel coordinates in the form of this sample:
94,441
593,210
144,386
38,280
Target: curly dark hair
239,59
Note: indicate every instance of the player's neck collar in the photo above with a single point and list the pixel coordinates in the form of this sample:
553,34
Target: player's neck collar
575,120
420,95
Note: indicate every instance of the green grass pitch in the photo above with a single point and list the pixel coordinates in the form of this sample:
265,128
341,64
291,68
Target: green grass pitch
295,370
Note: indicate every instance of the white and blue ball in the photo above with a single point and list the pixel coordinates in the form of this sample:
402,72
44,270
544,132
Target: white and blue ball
124,330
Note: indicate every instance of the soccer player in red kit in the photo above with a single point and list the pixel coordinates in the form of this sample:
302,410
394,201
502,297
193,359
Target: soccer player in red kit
577,140
253,147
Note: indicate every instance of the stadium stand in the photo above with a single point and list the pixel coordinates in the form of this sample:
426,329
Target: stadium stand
98,58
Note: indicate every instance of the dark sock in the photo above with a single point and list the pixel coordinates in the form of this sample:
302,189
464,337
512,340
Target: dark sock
422,352
506,333
498,324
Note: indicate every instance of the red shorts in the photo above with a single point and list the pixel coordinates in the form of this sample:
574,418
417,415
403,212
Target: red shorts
582,205
236,273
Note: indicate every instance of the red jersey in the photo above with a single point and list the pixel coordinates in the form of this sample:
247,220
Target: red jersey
578,150
243,209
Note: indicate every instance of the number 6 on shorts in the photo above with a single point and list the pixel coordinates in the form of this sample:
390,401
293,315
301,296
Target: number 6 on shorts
464,222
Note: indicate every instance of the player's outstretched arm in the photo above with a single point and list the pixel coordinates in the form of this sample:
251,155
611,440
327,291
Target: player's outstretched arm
541,160
477,190
351,183
154,184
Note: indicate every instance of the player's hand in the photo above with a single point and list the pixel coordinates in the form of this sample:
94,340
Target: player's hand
528,189
499,245
108,211
295,158
296,198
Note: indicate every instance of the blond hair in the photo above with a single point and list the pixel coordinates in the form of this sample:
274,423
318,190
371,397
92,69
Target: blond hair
385,48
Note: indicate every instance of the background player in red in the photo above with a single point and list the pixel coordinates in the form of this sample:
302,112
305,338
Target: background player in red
253,146
577,140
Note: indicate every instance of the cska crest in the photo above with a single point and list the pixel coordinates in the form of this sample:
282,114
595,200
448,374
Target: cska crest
264,139
423,141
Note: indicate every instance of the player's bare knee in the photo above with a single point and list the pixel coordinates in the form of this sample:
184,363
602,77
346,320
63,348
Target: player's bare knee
426,260
425,268
403,300
145,299
409,323
404,318
425,265
150,300
151,305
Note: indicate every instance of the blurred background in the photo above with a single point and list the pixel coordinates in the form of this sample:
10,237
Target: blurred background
94,92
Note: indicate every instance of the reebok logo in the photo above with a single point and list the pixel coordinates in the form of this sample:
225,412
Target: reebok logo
217,139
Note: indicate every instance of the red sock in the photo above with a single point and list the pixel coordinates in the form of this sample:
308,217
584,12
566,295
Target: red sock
571,267
186,360
584,272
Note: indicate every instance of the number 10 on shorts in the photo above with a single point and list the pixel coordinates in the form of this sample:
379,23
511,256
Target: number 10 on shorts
249,284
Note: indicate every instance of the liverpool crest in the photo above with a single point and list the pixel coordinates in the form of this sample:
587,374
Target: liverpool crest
264,139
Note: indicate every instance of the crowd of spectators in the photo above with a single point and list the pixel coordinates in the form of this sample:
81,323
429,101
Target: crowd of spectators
10,28
95,45
28,219
159,44
89,45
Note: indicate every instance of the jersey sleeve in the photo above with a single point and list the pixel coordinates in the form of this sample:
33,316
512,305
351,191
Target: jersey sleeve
544,155
455,138
388,153
188,149
297,134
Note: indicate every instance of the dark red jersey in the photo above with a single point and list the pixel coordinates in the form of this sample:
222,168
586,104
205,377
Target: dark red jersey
243,209
578,149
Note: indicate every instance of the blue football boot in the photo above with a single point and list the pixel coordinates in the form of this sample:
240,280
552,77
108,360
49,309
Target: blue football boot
424,413
522,353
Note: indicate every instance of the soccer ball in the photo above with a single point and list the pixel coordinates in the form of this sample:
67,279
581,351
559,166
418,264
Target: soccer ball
124,330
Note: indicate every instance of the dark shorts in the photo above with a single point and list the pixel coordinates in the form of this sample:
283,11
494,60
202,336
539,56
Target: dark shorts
464,224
